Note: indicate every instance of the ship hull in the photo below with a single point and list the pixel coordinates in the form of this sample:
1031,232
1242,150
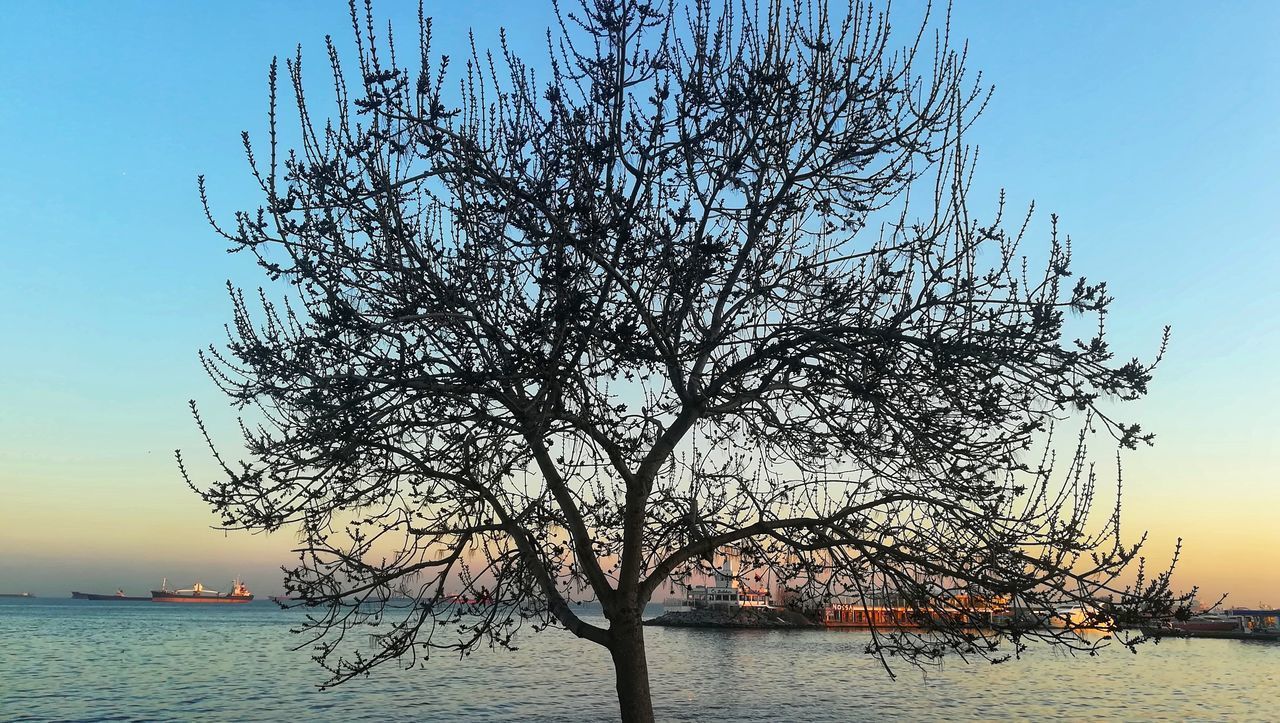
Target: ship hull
1194,626
111,598
161,596
1236,634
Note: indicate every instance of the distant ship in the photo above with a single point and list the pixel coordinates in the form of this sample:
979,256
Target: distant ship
16,594
119,596
199,594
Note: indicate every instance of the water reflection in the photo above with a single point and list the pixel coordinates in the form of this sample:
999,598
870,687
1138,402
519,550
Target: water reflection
63,660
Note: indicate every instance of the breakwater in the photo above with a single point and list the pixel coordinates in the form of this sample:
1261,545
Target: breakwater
763,618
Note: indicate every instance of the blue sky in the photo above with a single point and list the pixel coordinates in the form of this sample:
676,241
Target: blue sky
1149,127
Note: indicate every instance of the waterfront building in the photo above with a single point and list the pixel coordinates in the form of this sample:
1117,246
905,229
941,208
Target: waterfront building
726,591
1260,619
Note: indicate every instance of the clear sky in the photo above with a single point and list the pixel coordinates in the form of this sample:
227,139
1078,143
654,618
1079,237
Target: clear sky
1149,127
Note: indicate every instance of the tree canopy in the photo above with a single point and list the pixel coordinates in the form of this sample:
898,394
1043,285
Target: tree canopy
704,278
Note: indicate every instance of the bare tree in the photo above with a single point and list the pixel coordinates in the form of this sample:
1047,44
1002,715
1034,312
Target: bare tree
707,279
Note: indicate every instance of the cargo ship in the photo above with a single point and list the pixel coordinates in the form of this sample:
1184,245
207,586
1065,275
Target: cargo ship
119,596
199,594
16,594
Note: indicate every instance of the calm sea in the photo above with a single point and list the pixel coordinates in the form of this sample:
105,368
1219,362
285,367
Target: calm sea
78,660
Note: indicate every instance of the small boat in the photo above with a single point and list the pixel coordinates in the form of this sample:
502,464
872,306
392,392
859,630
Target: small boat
16,594
1076,617
1025,618
1066,617
119,596
198,593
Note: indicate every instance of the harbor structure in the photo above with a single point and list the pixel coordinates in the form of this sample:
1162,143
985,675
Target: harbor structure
889,609
725,591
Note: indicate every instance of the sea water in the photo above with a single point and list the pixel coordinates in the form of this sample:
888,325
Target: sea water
82,660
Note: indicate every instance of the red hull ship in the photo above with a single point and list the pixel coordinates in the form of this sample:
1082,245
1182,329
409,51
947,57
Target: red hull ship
1210,624
198,594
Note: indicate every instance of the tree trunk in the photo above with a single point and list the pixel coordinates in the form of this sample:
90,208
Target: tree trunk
632,670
